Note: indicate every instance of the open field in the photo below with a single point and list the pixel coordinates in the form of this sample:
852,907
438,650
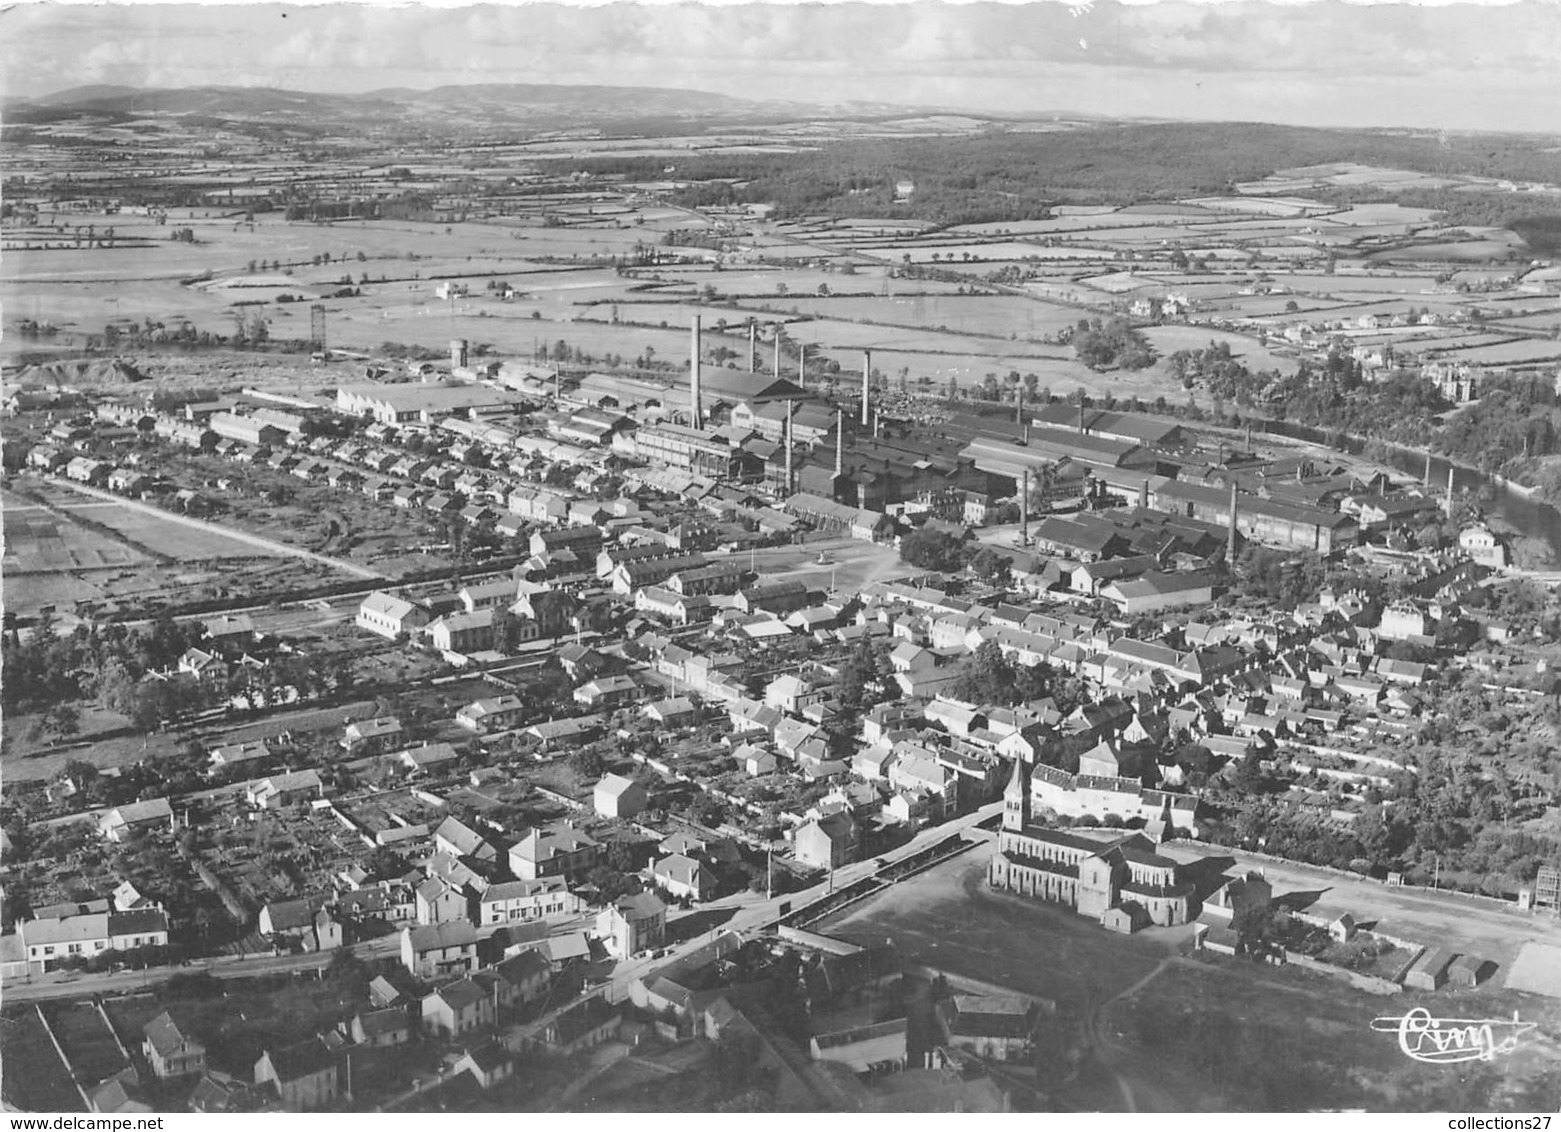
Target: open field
1167,1033
1508,353
949,919
37,539
1537,969
853,564
1245,1037
1168,339
998,315
35,1080
1466,924
93,1053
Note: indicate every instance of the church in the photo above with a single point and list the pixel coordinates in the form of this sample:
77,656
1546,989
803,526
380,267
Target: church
1112,876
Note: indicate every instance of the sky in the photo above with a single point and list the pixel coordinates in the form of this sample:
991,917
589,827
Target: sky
1450,65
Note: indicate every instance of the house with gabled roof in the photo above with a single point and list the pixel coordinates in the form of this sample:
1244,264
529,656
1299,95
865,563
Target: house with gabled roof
387,1026
633,924
557,849
458,839
618,797
682,876
369,736
458,1008
282,790
118,823
304,1075
390,616
171,1049
430,951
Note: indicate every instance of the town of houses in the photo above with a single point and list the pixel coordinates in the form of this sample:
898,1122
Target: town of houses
751,732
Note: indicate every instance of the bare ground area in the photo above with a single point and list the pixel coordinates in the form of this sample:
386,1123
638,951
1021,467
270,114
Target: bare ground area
1142,1024
1470,925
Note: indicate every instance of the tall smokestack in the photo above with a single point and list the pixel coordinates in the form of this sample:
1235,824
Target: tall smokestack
777,353
696,414
1230,550
840,442
877,424
789,447
1019,408
867,377
1449,493
1143,495
802,364
1249,439
753,347
1428,471
1081,415
1024,509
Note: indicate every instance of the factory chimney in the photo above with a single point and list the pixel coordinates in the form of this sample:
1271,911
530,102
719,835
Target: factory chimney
777,353
802,364
1449,493
753,347
789,448
1143,495
1428,471
1024,510
1019,408
696,409
1230,549
1081,414
1249,438
867,377
840,442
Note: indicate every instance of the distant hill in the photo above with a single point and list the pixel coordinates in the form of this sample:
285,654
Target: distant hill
510,104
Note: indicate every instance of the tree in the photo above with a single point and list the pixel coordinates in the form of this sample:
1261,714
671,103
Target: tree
586,764
932,550
991,566
64,720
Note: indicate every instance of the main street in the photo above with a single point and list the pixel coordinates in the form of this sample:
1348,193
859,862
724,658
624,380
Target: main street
751,912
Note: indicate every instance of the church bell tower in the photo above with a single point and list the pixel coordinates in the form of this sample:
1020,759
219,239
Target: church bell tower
1016,800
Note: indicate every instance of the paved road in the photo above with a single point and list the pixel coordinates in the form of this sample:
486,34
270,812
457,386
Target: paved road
259,542
64,984
754,912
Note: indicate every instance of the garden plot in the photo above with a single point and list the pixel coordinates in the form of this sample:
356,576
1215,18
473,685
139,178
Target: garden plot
34,1078
39,540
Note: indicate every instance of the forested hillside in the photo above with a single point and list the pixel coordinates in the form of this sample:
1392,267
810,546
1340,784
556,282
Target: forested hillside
1014,175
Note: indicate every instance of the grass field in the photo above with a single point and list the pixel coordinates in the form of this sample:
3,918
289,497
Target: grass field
1509,353
34,1078
979,314
1168,339
93,1053
1237,1036
191,544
